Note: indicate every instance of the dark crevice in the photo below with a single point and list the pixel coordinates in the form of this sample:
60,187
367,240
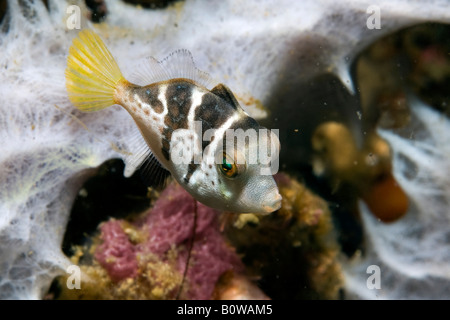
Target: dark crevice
151,4
3,8
106,195
97,9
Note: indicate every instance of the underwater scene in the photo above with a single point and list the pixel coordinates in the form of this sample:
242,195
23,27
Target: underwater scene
224,149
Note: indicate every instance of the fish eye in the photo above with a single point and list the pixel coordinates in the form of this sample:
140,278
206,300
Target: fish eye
228,167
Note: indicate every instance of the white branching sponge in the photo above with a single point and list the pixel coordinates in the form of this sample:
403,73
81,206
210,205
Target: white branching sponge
412,255
255,47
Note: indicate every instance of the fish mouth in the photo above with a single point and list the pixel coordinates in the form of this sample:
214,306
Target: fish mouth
273,204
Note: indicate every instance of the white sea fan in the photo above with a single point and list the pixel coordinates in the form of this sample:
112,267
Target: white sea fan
255,47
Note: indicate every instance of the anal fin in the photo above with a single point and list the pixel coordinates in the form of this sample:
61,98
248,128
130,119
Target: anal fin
141,160
152,173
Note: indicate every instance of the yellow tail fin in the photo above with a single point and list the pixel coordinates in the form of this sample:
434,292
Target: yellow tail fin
92,74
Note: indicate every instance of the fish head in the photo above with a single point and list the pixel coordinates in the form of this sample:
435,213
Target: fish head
241,179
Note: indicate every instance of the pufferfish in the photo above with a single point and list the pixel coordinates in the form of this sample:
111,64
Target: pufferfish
172,107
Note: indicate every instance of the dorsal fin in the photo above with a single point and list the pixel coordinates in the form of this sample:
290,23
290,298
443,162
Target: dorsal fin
178,64
148,71
225,93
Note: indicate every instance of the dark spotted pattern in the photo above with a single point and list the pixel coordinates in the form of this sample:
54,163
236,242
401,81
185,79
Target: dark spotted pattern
213,112
244,123
149,94
179,101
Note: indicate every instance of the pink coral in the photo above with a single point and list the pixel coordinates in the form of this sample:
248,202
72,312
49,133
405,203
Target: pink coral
170,223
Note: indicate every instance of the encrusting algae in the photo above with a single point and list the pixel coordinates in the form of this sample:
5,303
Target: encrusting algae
156,280
293,253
